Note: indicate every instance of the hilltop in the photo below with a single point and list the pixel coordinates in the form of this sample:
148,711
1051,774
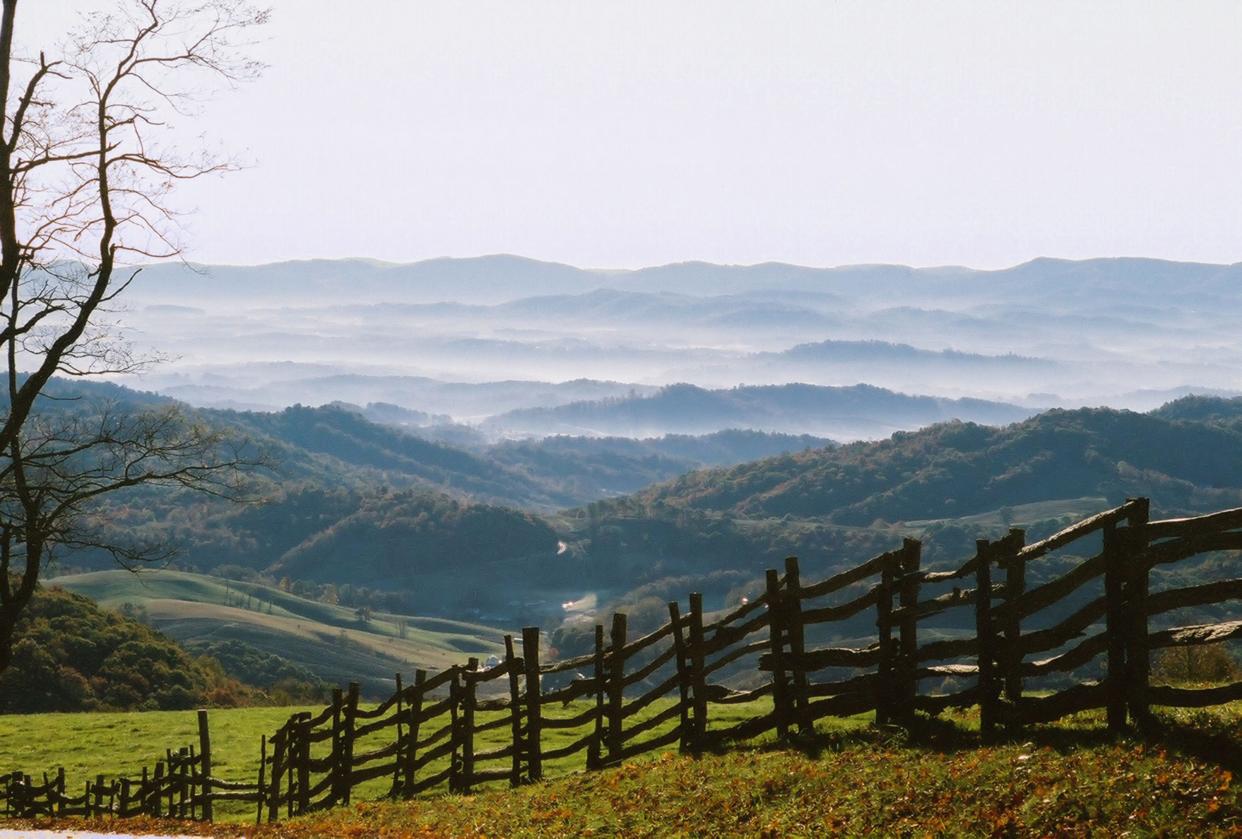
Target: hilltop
335,643
958,469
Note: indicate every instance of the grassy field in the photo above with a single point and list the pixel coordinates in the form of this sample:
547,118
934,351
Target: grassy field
1070,779
116,744
328,640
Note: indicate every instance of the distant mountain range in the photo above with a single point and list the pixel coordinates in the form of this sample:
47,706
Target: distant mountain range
435,336
854,412
500,278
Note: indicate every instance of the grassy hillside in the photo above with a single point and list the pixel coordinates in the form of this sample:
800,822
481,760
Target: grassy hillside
330,641
115,744
1064,780
868,785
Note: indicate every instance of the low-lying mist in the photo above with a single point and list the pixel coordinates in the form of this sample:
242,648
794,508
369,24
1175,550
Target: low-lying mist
513,347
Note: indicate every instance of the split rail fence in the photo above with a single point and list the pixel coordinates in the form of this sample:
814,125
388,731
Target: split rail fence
922,641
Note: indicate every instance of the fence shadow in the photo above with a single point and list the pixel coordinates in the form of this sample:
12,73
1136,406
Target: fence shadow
1211,744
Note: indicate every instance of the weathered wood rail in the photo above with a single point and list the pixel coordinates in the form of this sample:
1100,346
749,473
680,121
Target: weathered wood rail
629,695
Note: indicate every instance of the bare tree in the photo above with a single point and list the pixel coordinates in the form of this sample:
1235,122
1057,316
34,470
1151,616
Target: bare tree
86,171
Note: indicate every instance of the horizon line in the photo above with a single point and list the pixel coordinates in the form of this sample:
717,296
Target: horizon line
385,263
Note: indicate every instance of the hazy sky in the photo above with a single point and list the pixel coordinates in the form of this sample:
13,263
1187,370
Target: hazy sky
632,133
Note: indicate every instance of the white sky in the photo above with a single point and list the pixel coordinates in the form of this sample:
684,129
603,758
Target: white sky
633,133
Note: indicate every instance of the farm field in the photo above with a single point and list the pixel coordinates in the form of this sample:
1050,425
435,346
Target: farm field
1068,779
328,640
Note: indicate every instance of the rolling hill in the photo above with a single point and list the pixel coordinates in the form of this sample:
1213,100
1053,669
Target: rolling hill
958,469
358,504
330,641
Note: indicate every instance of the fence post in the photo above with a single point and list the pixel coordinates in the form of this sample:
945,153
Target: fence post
469,684
411,750
204,761
399,698
776,643
455,704
1011,627
258,816
616,686
278,757
172,783
1116,627
338,702
907,661
159,782
683,676
596,747
347,752
698,680
512,665
534,708
60,788
185,778
884,631
303,759
797,646
985,633
1138,663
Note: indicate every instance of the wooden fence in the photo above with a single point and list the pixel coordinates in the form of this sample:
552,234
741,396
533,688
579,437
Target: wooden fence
180,787
922,641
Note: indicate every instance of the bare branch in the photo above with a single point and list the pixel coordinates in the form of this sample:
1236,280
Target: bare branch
81,186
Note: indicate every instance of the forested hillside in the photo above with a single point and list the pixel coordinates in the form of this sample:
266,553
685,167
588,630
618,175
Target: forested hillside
442,530
958,469
859,411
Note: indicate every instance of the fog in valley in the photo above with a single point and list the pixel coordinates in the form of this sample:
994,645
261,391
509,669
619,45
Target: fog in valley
498,347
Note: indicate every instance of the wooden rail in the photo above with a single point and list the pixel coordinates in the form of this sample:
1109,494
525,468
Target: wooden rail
604,708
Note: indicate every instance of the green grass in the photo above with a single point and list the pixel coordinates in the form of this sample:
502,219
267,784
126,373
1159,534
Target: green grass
1070,779
120,744
115,744
1054,782
328,640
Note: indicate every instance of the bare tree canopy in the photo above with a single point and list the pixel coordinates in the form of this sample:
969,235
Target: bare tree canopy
86,170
